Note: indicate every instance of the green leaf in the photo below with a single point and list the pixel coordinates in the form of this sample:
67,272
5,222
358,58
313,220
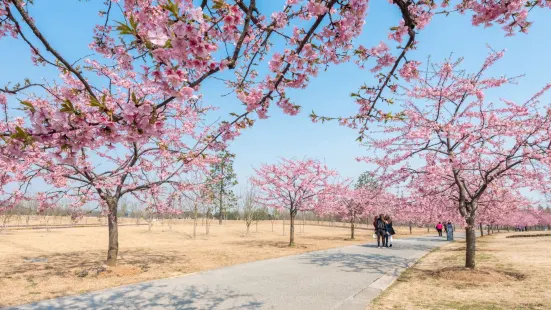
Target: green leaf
95,103
19,134
29,106
218,4
133,23
124,29
67,106
22,135
172,8
153,117
134,99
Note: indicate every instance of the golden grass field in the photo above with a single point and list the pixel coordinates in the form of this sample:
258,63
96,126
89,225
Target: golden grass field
144,255
511,273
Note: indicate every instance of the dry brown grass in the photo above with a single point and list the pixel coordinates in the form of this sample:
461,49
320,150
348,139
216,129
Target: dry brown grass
144,255
510,274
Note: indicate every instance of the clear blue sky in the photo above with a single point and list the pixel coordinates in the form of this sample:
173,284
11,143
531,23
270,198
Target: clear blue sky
68,26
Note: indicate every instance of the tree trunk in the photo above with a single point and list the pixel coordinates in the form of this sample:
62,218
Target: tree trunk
207,222
194,220
481,230
292,228
409,229
352,230
221,213
471,243
113,249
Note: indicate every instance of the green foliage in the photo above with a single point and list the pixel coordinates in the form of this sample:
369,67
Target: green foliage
367,180
28,106
222,179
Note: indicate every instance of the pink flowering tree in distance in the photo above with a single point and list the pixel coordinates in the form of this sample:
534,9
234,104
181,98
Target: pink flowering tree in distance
366,198
347,203
296,186
464,144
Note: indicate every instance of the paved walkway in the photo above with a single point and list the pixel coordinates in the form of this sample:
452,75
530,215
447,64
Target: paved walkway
342,278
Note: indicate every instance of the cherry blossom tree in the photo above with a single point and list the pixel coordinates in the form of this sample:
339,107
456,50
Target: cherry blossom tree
295,185
468,146
351,205
345,203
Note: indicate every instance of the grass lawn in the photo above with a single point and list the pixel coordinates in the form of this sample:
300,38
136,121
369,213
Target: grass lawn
511,273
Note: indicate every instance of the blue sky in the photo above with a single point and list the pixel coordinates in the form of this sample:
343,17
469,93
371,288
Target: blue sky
69,28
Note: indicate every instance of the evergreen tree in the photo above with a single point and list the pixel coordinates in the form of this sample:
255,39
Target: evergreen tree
366,180
223,179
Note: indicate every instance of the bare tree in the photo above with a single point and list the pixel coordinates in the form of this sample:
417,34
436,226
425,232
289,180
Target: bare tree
6,216
273,217
250,207
31,207
150,217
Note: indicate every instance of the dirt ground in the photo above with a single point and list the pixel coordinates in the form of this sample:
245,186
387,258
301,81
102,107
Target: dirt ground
40,264
511,273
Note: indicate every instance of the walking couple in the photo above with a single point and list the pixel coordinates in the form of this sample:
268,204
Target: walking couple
383,230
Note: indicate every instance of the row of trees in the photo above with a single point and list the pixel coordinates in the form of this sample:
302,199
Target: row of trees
309,185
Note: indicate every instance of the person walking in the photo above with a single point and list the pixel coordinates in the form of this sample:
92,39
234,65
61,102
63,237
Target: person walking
380,230
439,227
389,231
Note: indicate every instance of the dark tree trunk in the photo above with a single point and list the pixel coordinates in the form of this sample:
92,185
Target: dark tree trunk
113,249
481,230
292,227
471,243
352,230
410,229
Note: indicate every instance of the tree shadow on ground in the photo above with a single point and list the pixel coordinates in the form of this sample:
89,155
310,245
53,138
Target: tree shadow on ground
66,264
355,262
152,296
267,244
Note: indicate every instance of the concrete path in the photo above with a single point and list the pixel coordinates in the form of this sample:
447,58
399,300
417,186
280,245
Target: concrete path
342,278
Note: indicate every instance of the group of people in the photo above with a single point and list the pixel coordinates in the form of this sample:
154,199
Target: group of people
383,230
441,226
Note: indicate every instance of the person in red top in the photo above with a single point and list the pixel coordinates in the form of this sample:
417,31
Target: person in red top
439,228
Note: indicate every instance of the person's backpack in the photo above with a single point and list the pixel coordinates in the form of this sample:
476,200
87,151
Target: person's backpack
381,225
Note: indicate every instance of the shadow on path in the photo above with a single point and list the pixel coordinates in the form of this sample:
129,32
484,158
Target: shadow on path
153,296
355,262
